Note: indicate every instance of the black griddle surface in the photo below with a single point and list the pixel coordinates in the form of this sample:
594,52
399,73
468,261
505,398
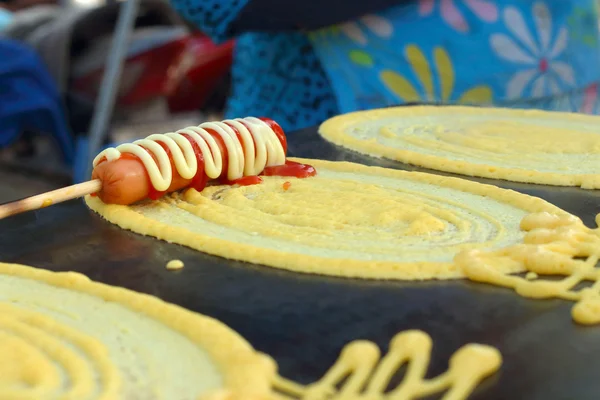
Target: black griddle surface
304,320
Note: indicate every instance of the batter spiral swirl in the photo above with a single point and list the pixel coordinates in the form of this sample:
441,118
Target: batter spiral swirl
529,146
349,220
65,337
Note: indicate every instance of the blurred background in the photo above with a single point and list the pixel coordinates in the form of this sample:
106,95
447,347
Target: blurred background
56,57
80,75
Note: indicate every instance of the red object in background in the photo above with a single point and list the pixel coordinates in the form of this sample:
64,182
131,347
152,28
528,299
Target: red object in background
202,68
186,71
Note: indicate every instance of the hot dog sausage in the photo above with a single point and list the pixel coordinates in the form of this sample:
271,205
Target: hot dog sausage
125,181
127,178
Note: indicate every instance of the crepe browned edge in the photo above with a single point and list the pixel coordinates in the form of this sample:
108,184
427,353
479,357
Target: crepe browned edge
126,218
246,373
334,128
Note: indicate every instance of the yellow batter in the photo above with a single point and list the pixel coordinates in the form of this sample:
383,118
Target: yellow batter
556,246
365,376
65,337
350,220
517,145
175,265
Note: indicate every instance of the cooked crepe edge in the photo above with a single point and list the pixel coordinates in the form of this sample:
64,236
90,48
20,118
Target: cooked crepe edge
333,130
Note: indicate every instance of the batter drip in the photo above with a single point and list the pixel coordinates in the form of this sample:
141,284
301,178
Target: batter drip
368,376
554,245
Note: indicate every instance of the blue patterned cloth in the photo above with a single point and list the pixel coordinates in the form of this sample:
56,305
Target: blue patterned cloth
514,53
494,52
274,75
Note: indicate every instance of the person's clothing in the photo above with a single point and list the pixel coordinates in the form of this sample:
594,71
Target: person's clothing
276,75
279,76
514,53
29,99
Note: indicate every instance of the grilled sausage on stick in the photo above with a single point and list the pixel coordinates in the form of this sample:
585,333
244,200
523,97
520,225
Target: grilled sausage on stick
234,151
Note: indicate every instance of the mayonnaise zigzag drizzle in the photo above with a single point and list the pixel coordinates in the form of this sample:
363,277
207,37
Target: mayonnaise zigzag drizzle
259,148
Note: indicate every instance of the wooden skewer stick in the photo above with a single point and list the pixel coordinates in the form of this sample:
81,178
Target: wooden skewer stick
49,198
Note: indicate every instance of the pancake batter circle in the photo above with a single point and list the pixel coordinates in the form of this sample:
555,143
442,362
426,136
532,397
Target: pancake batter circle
350,220
64,336
530,146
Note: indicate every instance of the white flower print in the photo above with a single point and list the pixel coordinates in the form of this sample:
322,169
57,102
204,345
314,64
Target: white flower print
544,72
376,24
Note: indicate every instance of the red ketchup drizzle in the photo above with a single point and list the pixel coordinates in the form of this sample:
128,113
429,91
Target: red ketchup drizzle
199,180
290,168
154,194
278,131
245,180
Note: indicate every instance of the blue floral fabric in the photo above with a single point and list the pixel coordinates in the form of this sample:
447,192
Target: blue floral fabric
515,53
469,51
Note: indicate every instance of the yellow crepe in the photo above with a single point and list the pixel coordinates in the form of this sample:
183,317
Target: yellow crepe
529,146
350,220
366,222
65,337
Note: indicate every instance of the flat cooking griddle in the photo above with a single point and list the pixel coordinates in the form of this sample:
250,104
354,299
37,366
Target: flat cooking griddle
304,320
